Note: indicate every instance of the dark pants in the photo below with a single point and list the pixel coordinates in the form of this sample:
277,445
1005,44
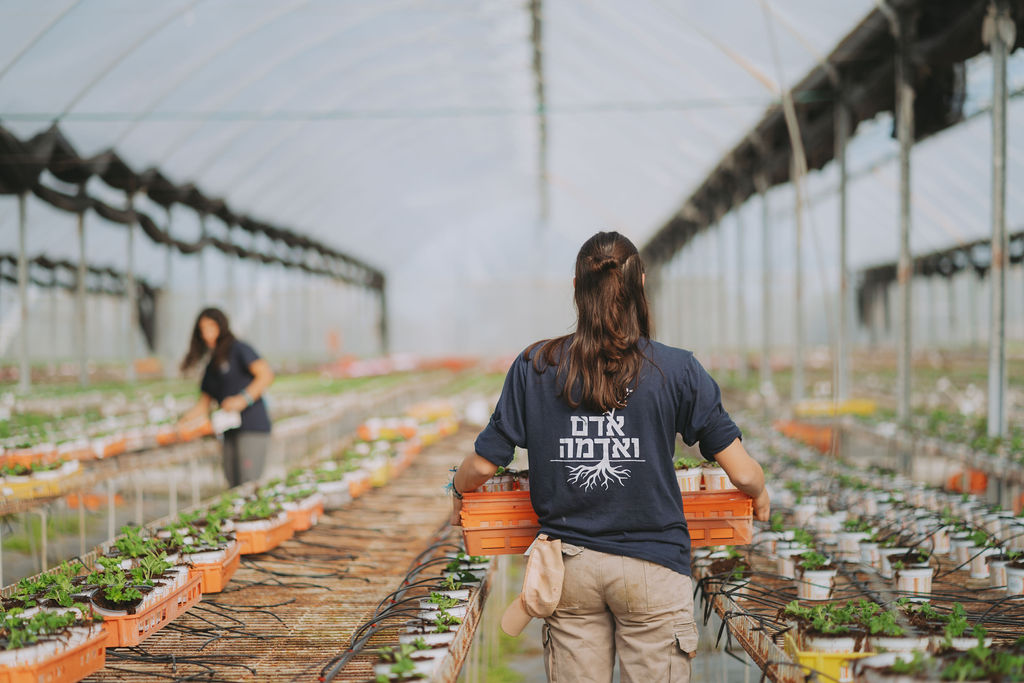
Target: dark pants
245,453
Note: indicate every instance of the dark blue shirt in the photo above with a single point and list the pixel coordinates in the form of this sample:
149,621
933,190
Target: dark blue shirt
606,481
231,378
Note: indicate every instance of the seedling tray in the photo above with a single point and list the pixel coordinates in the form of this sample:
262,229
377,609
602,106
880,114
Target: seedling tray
253,542
718,517
131,629
306,518
68,666
215,575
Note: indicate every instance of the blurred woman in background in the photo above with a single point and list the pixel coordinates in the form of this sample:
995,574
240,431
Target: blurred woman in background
236,379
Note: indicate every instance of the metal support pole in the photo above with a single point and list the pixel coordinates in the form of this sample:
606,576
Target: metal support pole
741,301
797,394
130,295
24,369
111,521
139,501
905,29
385,342
842,135
44,538
1000,32
766,293
172,491
203,301
721,299
168,306
55,334
193,472
80,312
951,310
81,525
230,297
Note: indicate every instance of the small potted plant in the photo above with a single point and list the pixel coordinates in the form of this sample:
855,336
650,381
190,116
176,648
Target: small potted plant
815,576
855,530
886,635
715,478
688,473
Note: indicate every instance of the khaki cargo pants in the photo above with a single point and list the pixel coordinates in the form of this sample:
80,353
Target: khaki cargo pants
612,604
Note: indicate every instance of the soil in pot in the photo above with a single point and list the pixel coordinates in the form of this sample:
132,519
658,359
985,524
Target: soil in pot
100,599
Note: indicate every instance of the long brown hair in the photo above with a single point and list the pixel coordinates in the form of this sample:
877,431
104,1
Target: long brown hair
599,364
197,347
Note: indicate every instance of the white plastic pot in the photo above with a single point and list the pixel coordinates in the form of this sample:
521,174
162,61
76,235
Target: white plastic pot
816,584
689,480
915,580
787,561
836,643
872,669
869,553
803,513
882,643
849,544
428,638
715,479
997,572
884,566
1014,580
979,564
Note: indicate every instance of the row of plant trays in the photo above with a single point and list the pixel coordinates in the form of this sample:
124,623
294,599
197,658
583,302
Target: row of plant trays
900,530
144,580
425,640
499,519
109,445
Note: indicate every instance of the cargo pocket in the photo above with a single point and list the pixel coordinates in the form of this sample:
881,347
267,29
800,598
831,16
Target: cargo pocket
684,646
686,637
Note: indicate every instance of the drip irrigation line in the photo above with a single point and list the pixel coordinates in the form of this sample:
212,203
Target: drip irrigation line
252,565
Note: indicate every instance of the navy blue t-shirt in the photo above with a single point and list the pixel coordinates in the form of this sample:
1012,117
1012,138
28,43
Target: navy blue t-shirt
231,378
606,481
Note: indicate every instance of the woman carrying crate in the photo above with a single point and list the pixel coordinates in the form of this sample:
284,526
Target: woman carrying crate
598,411
235,378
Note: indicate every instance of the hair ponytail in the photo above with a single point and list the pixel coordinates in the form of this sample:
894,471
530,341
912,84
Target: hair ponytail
600,363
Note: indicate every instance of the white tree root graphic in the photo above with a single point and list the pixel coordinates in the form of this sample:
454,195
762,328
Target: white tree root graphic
603,473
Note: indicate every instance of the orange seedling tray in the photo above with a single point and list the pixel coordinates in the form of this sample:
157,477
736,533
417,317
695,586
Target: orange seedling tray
498,522
253,542
166,437
131,629
718,518
215,575
69,666
499,541
498,509
358,487
303,519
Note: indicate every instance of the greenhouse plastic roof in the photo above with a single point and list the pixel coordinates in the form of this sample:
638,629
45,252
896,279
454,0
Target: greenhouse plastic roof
405,132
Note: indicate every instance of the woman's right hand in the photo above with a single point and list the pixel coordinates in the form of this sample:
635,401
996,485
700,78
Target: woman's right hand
762,507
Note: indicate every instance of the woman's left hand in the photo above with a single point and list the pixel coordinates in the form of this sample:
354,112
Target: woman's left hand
456,518
234,404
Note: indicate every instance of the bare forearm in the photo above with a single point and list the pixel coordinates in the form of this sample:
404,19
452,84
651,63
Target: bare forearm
473,472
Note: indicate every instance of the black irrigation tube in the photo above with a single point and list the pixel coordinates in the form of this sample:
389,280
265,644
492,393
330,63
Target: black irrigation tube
368,629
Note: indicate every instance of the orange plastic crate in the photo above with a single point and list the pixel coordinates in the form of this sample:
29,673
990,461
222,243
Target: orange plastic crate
215,575
498,509
253,542
305,518
498,523
69,666
499,541
131,629
719,518
503,522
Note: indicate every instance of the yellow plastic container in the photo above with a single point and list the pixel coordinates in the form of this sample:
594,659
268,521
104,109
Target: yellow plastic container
828,408
836,665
